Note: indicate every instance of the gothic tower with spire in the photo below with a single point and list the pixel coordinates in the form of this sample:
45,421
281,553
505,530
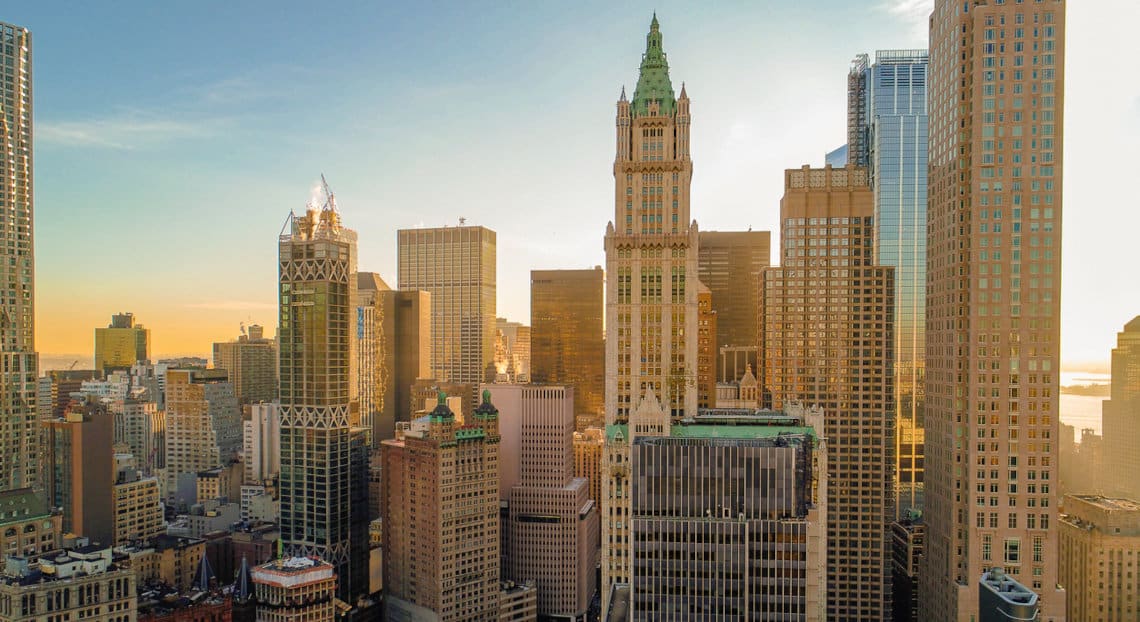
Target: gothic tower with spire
651,289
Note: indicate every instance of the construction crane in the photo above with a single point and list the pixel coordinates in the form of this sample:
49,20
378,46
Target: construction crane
330,198
73,364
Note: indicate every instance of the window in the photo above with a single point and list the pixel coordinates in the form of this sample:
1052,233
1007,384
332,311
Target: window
1012,551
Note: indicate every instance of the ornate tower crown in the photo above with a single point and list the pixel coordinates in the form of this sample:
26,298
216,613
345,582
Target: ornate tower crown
653,84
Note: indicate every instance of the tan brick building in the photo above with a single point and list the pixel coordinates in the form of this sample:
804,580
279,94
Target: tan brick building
996,104
441,516
138,511
826,339
27,526
1099,558
80,584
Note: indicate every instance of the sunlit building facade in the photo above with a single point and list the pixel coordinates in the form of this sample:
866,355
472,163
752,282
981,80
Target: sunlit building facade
19,432
827,339
567,339
996,103
317,262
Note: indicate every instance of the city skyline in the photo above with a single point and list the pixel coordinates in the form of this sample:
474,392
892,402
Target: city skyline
227,120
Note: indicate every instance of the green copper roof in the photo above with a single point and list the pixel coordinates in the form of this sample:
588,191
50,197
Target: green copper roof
653,83
737,431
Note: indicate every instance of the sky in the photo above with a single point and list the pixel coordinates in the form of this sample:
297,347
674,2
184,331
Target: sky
173,139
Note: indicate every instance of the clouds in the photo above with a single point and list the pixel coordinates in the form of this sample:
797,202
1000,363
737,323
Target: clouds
123,131
913,13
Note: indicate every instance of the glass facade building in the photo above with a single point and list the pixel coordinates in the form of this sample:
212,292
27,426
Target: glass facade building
893,126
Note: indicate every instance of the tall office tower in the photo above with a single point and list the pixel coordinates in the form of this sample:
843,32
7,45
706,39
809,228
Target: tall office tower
295,589
456,265
261,442
827,338
1121,416
251,361
393,329
567,341
121,344
552,526
893,143
441,517
372,363
707,320
858,145
317,262
993,285
1099,541
729,263
651,294
79,470
203,425
744,538
19,459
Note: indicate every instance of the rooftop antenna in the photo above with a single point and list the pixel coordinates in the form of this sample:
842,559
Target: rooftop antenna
462,221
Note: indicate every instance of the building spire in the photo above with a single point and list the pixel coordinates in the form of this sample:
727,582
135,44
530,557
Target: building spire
653,84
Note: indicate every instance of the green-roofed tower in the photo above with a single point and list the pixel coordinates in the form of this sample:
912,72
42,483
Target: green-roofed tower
651,285
653,84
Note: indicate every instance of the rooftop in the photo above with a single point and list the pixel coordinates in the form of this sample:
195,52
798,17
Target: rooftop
1009,590
1109,503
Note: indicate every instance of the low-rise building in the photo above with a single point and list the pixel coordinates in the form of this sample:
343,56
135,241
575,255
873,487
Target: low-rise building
77,584
27,526
518,602
1100,558
297,589
167,559
138,508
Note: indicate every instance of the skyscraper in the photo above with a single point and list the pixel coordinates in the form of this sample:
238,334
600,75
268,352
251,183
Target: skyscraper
729,263
80,470
1121,416
567,339
651,293
552,531
203,426
456,265
827,339
393,330
20,433
996,100
251,362
121,344
317,262
441,517
894,150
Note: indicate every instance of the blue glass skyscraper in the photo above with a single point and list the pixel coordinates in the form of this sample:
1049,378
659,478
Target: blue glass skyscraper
887,133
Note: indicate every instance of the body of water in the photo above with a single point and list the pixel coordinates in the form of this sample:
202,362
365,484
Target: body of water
1082,411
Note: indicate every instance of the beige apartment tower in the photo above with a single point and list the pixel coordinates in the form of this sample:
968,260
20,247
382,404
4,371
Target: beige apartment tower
826,339
729,264
203,423
1099,557
567,341
441,517
251,362
456,265
993,287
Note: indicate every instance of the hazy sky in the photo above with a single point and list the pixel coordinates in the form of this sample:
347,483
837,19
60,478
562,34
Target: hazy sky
172,141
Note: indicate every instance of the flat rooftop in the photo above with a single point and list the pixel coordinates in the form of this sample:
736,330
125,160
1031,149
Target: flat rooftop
1110,503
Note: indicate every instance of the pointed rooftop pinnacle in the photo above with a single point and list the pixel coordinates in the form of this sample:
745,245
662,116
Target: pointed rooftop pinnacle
654,26
622,98
653,84
682,95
